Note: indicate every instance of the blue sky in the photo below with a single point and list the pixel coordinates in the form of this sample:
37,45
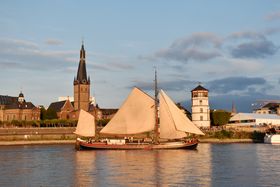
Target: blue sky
232,47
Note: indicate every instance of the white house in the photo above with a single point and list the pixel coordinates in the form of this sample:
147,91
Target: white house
252,119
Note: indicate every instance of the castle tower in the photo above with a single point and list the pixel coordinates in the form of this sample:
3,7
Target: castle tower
82,84
200,107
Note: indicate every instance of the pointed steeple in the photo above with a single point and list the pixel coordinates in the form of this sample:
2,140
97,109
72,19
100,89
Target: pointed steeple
233,108
82,71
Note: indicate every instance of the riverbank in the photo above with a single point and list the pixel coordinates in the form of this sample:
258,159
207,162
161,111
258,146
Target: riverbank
36,142
46,142
64,135
215,140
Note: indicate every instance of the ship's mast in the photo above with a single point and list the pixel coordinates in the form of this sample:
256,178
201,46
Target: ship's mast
156,133
95,124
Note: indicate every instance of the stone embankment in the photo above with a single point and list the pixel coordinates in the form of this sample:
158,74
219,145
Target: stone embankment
19,136
62,135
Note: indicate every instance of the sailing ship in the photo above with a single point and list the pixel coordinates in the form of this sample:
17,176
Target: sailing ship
140,113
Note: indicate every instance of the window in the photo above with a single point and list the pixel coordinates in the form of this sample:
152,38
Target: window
201,118
200,102
201,110
195,94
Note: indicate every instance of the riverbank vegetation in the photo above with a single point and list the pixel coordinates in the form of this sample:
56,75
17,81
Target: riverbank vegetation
221,134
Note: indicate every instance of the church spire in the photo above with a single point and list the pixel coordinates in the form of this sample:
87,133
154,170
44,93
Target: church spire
82,71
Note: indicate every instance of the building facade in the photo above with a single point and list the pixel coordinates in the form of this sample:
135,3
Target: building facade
268,108
16,108
200,107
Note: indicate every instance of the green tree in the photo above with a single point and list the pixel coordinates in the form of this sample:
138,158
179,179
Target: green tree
43,113
219,117
51,114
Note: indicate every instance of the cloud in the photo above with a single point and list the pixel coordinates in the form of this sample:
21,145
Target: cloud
246,35
198,47
270,31
229,84
273,16
29,55
254,49
53,42
9,64
175,85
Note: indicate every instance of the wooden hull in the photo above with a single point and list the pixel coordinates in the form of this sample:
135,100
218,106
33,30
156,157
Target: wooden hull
83,145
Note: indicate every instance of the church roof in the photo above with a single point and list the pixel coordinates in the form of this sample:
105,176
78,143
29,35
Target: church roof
20,94
199,88
12,103
82,71
56,106
5,100
17,105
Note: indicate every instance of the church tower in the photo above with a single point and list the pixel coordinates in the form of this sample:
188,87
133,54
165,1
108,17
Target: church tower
82,84
200,107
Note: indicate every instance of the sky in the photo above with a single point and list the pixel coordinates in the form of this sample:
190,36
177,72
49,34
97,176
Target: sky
230,47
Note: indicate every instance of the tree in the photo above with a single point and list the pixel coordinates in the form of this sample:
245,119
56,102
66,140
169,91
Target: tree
51,114
219,117
43,113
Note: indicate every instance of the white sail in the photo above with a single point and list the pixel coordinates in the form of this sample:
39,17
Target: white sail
136,115
86,125
173,122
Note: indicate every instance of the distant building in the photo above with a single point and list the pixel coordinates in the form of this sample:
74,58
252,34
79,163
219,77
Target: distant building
16,108
69,107
254,119
64,109
200,107
71,99
64,98
268,108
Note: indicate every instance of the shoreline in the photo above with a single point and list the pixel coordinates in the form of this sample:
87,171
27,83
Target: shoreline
46,142
36,142
216,140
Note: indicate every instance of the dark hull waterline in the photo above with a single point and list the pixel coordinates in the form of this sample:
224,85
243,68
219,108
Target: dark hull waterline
83,145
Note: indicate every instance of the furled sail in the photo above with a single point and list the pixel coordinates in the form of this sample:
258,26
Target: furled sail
135,116
86,125
173,122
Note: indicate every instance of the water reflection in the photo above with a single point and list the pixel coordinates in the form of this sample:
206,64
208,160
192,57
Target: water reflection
85,168
144,168
234,162
268,168
210,165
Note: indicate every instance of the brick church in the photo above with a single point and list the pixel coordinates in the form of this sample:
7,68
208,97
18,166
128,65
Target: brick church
70,110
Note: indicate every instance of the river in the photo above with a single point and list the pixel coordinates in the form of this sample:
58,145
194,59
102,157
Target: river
209,165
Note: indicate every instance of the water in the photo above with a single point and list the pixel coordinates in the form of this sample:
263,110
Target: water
210,165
